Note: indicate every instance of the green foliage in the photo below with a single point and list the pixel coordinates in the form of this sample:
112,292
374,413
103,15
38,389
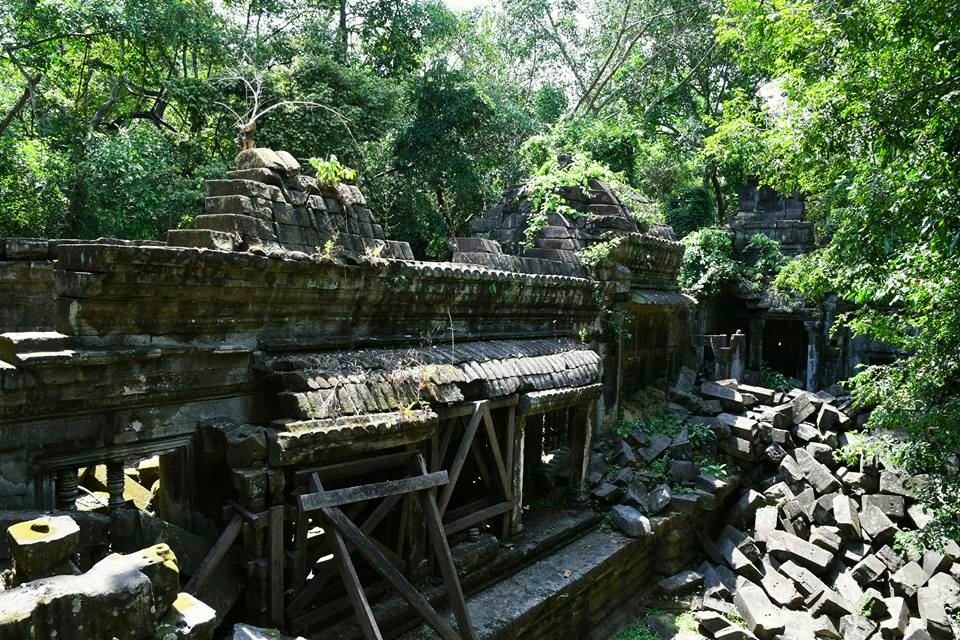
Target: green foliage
772,379
598,253
543,188
134,185
689,210
699,433
708,262
717,470
331,171
32,184
440,146
865,120
768,261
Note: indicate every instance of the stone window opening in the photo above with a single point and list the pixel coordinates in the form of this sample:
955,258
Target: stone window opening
549,459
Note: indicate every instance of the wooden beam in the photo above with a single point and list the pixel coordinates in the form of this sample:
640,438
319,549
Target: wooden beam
276,565
497,458
330,608
215,557
368,624
319,580
477,517
446,413
482,468
461,456
355,467
311,502
464,510
447,569
344,527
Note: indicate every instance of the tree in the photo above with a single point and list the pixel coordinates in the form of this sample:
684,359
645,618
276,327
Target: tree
862,115
443,145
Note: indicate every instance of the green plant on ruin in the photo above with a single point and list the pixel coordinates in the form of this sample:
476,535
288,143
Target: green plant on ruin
771,378
660,468
737,619
330,248
637,630
709,261
768,262
716,469
371,254
331,171
686,623
552,172
598,253
615,323
699,434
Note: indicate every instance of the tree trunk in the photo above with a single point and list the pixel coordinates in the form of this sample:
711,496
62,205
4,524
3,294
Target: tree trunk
342,30
718,196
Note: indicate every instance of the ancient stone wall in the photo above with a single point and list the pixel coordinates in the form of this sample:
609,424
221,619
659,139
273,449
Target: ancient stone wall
286,332
765,211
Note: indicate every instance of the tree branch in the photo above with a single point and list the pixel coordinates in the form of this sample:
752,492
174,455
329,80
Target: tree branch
20,103
680,84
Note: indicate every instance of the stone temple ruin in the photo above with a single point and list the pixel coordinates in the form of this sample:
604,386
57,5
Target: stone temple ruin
281,420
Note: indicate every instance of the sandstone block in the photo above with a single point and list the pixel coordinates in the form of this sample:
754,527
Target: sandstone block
630,521
869,570
847,517
658,499
877,525
898,616
856,627
681,583
784,546
899,482
760,614
42,547
908,580
187,619
260,158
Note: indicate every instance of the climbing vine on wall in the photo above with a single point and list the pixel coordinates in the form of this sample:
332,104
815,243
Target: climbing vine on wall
709,261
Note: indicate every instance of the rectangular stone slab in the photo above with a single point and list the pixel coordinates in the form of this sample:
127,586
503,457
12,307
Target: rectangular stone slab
784,546
758,612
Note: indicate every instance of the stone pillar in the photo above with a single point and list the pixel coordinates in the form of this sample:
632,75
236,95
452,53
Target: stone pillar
812,356
115,482
67,489
519,439
757,325
581,436
737,348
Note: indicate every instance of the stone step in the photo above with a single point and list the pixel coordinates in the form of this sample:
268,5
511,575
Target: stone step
15,346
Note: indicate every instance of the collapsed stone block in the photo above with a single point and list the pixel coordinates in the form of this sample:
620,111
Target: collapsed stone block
42,547
856,627
630,521
681,583
898,616
760,614
932,609
779,587
187,619
847,517
120,597
659,498
908,579
784,546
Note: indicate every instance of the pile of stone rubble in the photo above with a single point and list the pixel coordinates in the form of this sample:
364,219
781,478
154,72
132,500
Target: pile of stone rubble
808,550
